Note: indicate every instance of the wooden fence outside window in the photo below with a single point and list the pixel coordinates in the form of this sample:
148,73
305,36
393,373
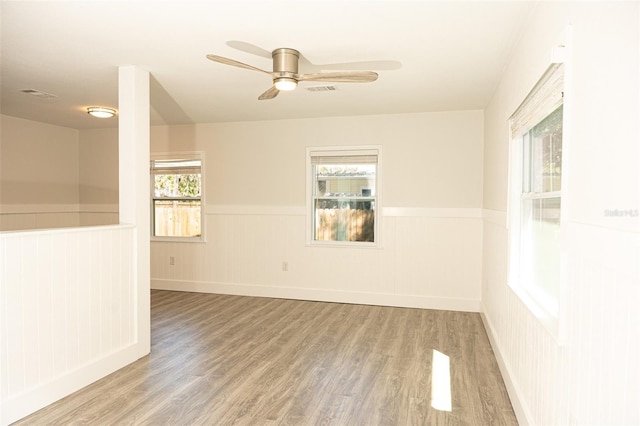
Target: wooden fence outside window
177,218
334,222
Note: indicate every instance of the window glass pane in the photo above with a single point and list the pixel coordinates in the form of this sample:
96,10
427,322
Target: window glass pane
177,185
175,166
540,245
344,220
176,218
176,197
345,180
546,154
344,200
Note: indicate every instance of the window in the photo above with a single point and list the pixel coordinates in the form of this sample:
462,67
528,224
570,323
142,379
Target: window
176,197
344,195
536,198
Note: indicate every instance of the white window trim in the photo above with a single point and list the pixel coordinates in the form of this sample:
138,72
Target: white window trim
344,150
199,155
548,314
544,312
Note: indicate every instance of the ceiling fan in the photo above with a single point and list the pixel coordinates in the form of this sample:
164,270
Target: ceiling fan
285,72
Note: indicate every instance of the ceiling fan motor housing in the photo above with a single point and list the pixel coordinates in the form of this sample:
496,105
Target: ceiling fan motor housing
285,61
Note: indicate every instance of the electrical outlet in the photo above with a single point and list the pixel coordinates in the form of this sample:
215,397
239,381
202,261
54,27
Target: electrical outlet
172,260
285,266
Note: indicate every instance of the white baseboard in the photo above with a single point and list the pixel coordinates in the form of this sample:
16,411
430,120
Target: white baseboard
34,399
517,402
321,295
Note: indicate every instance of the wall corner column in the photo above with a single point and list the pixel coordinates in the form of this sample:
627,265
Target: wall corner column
133,152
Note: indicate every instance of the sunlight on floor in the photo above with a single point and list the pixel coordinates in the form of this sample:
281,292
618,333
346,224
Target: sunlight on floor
440,382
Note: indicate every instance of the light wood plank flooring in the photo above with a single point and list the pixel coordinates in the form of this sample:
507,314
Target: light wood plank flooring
222,360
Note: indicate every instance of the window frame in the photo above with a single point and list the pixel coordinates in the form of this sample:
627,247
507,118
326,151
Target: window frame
186,155
546,309
339,151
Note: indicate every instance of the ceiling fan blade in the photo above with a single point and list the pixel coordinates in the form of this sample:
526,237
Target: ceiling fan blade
340,76
270,93
228,61
249,48
349,66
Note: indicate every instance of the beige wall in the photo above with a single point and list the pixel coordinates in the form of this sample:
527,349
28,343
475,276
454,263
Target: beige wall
98,177
38,164
586,372
98,167
430,160
52,176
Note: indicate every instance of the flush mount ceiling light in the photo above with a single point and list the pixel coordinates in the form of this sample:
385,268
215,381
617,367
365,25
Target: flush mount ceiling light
101,112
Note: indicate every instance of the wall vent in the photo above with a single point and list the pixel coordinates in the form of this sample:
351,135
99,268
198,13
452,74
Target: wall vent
321,88
38,94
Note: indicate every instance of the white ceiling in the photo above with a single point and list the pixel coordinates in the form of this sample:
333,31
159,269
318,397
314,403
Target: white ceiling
430,56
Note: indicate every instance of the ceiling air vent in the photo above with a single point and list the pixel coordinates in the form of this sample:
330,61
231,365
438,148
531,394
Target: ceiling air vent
38,94
321,88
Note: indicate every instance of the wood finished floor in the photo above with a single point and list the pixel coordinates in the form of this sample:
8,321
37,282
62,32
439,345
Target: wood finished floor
222,360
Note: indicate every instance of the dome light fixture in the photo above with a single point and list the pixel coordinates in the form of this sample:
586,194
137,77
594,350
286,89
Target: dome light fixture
101,112
285,84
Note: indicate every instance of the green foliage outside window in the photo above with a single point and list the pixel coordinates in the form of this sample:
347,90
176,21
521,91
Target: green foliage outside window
174,185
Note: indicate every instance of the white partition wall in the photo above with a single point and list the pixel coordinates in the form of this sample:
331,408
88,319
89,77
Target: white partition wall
68,312
74,302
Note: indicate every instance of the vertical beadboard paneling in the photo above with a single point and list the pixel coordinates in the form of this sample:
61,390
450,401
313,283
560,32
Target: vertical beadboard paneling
58,305
47,311
126,294
68,300
39,220
12,222
98,218
57,220
86,308
15,333
106,301
32,315
72,300
46,220
593,378
428,258
93,283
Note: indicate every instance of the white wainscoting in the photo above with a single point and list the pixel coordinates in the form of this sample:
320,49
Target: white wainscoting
25,221
592,376
69,312
429,258
37,216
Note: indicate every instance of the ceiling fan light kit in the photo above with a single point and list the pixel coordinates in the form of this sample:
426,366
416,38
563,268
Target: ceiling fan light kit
285,84
285,72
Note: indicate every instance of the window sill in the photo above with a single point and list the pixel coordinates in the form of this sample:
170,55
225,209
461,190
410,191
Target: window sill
547,317
343,244
178,240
